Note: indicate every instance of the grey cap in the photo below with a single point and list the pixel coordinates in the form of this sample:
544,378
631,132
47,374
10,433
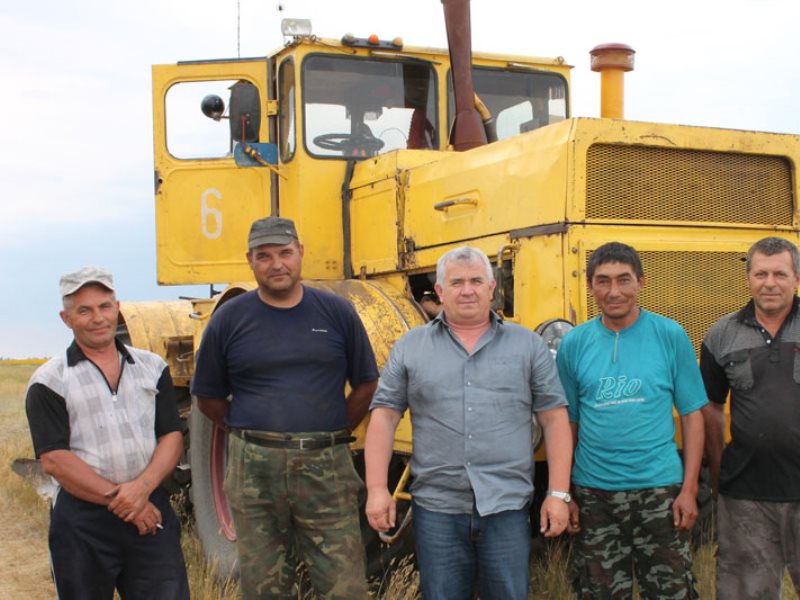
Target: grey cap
72,282
271,230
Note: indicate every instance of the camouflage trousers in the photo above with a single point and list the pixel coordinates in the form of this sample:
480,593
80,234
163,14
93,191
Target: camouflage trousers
757,541
627,531
296,505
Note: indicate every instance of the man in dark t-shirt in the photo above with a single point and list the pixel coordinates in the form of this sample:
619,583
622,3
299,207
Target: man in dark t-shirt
283,354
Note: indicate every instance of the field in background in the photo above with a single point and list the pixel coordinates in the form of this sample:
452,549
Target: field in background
23,520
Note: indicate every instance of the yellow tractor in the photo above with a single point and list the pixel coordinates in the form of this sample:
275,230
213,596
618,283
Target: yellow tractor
386,156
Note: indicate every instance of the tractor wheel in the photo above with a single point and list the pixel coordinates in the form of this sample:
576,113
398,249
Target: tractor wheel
213,522
382,558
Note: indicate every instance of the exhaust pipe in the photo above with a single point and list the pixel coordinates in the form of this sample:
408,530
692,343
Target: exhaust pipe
612,61
468,131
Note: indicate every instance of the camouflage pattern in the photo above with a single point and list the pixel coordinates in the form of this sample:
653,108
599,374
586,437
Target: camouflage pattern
757,541
296,505
627,531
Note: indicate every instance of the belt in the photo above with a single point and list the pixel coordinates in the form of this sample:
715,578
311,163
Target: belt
290,442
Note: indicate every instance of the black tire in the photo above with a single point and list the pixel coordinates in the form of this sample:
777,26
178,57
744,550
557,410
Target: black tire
383,558
219,548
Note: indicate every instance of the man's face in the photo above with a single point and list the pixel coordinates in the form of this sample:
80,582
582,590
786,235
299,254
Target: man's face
91,313
467,292
772,282
616,290
277,268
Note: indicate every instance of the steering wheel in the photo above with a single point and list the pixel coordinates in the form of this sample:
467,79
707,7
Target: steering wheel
349,143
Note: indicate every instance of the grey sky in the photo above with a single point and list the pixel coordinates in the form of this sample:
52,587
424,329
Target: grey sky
76,156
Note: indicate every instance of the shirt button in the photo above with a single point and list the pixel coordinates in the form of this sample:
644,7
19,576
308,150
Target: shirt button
469,463
469,408
469,383
469,436
769,341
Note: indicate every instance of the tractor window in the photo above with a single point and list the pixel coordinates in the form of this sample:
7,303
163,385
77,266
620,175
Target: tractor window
286,112
519,101
190,134
356,108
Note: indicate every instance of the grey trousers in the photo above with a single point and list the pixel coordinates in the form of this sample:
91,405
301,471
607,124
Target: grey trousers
757,541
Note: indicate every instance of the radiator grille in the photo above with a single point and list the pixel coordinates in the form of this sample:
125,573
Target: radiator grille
694,288
665,184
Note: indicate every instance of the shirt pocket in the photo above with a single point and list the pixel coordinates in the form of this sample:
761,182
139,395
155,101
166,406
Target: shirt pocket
140,407
739,369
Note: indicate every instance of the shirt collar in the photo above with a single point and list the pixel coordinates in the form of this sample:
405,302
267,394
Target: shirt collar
494,319
76,355
748,314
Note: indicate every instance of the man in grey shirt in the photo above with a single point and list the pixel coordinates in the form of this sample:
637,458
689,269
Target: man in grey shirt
472,383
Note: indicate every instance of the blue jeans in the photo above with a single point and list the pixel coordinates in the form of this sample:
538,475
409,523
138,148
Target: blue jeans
455,550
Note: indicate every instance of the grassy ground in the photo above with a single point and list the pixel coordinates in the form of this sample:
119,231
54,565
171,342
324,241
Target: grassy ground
23,520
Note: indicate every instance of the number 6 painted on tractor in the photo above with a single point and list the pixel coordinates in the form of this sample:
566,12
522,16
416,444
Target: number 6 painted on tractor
206,211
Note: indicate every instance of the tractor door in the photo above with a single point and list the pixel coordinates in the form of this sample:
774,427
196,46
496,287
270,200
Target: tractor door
208,120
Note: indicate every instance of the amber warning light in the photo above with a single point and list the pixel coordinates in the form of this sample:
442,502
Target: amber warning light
372,42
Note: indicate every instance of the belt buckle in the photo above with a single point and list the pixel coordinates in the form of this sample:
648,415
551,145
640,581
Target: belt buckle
303,443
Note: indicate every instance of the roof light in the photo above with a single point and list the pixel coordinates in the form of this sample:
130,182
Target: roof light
296,27
374,39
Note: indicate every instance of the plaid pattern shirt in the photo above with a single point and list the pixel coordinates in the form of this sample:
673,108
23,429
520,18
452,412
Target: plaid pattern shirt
112,431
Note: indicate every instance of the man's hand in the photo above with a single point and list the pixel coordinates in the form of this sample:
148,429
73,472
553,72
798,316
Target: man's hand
148,521
574,525
684,511
129,499
554,516
381,509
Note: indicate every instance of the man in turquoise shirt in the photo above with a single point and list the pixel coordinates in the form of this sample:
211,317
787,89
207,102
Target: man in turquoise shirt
635,501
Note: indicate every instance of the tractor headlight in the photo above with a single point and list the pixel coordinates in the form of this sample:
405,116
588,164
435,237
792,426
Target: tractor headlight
552,331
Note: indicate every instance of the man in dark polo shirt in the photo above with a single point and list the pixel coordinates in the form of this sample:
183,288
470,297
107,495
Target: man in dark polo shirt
283,353
106,427
755,354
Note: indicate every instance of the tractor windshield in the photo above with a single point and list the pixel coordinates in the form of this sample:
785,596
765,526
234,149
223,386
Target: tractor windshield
519,100
356,108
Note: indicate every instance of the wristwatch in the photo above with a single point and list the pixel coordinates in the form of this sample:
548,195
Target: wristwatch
565,496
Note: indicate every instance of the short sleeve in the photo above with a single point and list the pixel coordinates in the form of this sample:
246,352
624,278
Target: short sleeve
167,417
568,380
48,419
546,386
714,378
361,365
690,394
392,389
210,378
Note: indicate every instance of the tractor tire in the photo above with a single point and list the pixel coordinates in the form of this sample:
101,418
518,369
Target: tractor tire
207,457
705,530
382,558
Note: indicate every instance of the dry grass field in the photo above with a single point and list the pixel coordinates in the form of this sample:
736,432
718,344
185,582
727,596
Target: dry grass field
23,520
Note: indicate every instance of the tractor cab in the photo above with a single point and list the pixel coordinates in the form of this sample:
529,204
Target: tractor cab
239,139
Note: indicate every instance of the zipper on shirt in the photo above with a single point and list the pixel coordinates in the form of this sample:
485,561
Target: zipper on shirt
111,389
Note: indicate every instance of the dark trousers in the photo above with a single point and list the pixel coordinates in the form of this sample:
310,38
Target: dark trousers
92,552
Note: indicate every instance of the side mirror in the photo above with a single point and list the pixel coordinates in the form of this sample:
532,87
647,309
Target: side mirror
213,107
245,114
